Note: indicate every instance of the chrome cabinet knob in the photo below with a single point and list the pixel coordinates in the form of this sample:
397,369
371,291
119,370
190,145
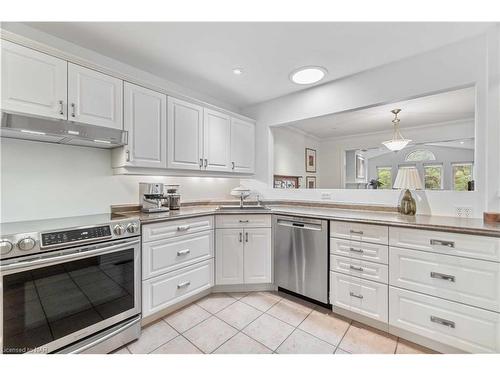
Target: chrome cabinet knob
5,247
119,229
132,228
26,244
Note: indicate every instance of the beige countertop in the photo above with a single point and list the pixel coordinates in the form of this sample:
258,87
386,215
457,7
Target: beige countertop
442,223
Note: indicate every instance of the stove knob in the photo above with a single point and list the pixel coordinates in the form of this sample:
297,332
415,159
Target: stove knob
119,229
5,247
132,228
26,244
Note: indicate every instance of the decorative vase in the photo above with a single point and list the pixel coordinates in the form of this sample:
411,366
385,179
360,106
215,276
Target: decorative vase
408,206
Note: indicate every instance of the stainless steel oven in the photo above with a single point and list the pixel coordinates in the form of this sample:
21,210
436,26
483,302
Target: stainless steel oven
51,300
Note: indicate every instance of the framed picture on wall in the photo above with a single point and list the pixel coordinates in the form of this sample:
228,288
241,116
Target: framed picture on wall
310,160
311,182
360,167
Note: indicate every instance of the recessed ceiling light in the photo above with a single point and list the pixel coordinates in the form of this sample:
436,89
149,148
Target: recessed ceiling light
238,71
308,75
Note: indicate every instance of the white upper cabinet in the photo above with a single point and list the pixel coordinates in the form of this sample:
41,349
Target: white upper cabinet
185,135
94,98
217,138
145,119
242,153
33,82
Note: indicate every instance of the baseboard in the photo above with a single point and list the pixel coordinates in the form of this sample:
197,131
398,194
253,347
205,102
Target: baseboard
424,341
382,326
244,288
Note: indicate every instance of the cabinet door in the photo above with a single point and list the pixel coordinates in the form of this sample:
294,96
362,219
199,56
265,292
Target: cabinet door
33,82
229,256
145,119
217,138
257,256
94,98
242,146
185,134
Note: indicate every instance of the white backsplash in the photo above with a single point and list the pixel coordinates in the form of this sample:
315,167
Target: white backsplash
42,180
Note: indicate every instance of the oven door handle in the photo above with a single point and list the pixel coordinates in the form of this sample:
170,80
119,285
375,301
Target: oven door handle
73,255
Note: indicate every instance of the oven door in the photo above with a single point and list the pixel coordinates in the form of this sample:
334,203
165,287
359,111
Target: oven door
52,300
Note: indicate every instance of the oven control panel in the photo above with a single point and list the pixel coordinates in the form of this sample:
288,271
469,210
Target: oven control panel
75,235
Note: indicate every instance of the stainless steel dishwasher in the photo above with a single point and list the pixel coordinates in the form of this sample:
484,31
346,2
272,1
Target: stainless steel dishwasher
301,256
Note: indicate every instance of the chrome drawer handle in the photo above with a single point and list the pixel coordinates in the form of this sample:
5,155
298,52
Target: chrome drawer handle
360,232
181,228
241,237
232,165
355,295
443,243
444,322
244,221
356,250
183,252
201,163
73,110
355,268
183,285
442,276
61,107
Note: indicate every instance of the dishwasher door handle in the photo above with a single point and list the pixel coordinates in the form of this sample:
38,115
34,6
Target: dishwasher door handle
299,225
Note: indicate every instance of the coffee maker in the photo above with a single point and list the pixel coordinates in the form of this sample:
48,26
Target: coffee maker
153,197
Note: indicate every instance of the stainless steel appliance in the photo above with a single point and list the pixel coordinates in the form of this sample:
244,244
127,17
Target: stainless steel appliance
174,198
153,197
301,256
60,131
70,285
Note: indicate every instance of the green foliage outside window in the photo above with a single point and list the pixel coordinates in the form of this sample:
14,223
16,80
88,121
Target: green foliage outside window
462,174
433,177
385,178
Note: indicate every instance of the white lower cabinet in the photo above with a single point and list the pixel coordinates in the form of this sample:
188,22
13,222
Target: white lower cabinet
166,290
177,261
364,297
257,256
229,256
243,255
467,328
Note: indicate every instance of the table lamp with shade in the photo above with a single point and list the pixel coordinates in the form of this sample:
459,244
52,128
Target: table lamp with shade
408,178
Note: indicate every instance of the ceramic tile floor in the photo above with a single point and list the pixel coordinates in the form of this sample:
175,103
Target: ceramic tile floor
262,322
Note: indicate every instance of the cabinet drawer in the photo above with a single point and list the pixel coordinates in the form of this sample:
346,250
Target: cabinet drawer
159,257
361,296
165,290
242,221
360,232
174,228
465,245
360,250
467,328
475,282
354,267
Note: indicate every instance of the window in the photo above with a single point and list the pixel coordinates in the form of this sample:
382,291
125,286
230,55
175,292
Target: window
433,177
384,176
461,174
420,155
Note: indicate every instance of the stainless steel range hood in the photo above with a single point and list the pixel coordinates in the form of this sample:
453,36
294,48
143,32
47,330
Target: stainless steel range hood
41,129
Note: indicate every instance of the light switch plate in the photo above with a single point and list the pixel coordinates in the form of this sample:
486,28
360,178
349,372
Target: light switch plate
463,211
326,196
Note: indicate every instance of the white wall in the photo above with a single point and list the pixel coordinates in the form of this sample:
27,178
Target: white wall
472,61
289,153
44,180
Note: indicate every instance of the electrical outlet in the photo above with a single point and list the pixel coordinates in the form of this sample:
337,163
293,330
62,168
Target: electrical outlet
326,196
463,211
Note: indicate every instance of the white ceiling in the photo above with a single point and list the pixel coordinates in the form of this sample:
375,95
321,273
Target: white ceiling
448,106
201,56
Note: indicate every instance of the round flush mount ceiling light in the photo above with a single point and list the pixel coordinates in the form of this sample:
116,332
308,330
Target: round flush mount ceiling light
307,75
237,71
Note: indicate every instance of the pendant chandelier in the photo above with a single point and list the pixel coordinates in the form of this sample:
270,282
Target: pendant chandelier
398,142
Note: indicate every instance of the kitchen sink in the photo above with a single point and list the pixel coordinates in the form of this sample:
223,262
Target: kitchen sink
243,208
